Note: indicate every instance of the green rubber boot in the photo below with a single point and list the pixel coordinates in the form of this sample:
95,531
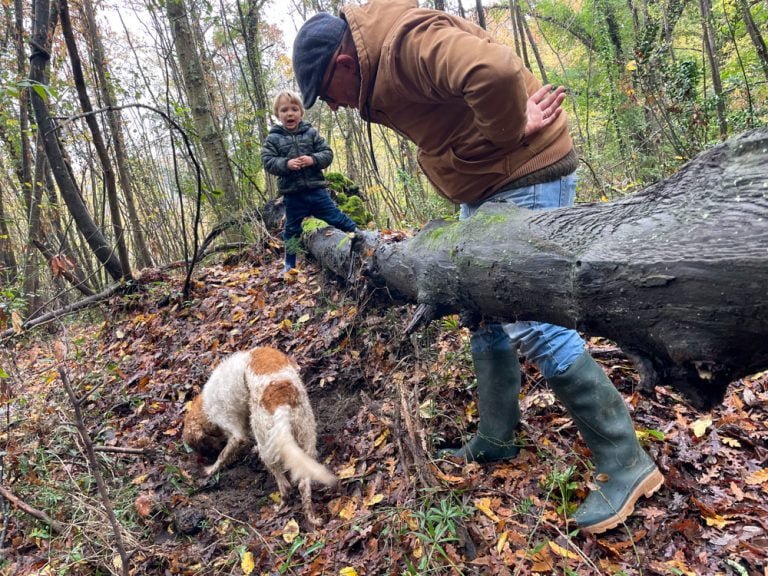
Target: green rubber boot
498,399
623,470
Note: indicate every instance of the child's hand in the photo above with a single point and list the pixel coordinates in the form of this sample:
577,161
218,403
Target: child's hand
300,162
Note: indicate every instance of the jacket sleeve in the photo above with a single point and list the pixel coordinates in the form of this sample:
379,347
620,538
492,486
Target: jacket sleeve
322,152
271,159
446,63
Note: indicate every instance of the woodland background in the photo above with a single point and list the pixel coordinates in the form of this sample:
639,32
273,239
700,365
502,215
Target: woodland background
145,107
130,132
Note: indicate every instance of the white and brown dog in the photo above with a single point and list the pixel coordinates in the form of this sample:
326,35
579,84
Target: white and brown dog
261,387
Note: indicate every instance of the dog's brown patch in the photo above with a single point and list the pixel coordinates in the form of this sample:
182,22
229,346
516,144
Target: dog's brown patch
267,361
279,393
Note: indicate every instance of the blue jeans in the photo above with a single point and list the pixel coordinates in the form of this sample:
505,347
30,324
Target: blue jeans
552,348
317,203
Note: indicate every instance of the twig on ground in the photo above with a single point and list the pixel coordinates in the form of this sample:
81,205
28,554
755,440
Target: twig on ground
34,512
120,449
79,305
414,442
94,465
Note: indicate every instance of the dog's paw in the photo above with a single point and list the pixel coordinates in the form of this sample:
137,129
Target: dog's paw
315,521
209,478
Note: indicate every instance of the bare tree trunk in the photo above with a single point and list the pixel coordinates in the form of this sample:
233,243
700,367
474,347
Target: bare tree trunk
252,36
8,264
756,36
39,58
25,157
462,13
31,268
516,36
192,72
58,237
480,14
710,49
98,140
533,45
520,36
98,56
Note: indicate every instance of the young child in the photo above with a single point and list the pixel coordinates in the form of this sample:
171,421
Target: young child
297,155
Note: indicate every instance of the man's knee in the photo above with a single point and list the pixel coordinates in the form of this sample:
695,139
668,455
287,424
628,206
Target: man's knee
489,338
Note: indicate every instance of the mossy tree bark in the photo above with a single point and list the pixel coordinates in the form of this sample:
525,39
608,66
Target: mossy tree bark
677,274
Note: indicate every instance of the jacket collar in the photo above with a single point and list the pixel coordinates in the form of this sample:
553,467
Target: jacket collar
370,25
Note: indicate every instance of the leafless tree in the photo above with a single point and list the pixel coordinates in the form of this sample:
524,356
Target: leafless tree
105,88
189,61
710,49
39,59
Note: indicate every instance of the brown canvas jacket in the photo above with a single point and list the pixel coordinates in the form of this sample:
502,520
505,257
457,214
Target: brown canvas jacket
445,84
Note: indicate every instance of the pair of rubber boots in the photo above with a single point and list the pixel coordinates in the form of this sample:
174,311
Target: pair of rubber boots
623,470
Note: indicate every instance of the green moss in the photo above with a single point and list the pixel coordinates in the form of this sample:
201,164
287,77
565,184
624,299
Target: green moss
346,194
312,224
344,241
438,235
490,219
353,207
448,234
293,246
340,183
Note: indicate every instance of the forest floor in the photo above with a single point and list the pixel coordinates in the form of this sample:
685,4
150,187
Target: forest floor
384,404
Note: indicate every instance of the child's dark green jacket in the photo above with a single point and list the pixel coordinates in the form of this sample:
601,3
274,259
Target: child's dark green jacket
281,145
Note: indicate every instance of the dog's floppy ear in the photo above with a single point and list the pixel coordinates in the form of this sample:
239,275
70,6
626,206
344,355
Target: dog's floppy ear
200,434
210,446
192,430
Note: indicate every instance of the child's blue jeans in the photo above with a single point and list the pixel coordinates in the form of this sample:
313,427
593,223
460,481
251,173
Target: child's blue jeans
317,203
552,348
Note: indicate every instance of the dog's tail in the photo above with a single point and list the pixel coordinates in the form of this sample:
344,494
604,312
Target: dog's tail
296,461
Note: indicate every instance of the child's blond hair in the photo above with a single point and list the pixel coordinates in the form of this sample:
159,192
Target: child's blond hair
291,96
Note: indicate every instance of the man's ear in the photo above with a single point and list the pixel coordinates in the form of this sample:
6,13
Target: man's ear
346,61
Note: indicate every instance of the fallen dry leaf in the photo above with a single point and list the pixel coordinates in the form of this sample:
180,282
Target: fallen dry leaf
562,552
758,477
144,504
290,531
700,426
247,563
484,505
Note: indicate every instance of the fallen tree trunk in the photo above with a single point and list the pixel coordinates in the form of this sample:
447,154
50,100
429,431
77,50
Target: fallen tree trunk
677,274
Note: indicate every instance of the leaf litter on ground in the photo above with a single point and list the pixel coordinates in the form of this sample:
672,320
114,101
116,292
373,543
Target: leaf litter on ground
145,356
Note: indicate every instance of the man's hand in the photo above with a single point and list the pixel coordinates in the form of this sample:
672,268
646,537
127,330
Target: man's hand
543,108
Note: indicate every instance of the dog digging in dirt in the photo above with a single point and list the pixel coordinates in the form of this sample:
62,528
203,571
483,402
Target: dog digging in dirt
260,387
